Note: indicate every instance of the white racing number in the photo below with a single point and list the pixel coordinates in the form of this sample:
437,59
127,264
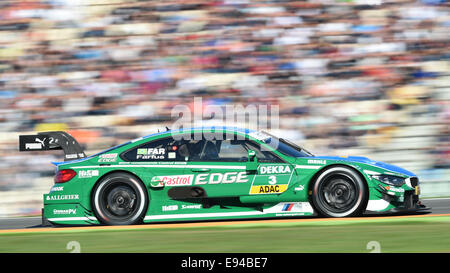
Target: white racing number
272,180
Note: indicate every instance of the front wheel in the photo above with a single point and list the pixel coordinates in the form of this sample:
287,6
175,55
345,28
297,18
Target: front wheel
119,199
340,192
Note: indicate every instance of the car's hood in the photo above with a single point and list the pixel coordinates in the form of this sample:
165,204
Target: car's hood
365,160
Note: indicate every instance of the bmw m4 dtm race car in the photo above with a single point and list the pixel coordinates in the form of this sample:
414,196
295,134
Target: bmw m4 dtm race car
214,173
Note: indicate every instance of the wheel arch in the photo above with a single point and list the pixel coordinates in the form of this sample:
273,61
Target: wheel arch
138,179
113,172
317,174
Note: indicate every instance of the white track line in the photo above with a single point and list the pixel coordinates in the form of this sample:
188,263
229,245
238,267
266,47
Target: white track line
437,198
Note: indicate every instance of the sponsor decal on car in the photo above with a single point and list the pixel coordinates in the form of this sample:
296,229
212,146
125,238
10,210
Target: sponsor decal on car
56,188
176,207
200,179
221,178
169,208
268,189
39,144
63,197
33,146
71,156
107,158
172,180
317,161
151,153
271,179
65,211
394,189
286,208
87,173
196,206
274,169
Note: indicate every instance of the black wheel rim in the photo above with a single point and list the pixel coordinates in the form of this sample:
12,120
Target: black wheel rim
338,193
119,201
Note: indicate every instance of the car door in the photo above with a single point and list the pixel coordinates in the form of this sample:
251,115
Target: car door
218,167
221,168
273,175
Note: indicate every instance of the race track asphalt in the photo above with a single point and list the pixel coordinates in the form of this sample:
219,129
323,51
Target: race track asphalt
438,206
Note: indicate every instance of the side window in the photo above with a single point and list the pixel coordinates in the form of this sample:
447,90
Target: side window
233,151
262,156
190,150
227,151
166,149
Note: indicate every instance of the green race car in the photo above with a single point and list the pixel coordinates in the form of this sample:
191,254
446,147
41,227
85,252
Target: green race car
214,173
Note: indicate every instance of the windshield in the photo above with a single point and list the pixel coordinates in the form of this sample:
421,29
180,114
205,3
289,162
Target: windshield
282,145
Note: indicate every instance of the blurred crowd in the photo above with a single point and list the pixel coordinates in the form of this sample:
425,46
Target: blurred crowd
360,77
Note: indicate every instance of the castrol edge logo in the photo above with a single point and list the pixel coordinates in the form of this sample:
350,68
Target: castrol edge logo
174,180
201,179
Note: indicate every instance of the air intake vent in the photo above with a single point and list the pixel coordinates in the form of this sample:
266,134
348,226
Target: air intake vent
414,181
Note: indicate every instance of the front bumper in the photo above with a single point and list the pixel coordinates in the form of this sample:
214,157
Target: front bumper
405,202
410,204
416,209
387,197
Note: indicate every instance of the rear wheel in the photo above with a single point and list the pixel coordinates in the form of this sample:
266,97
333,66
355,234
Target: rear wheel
120,199
340,192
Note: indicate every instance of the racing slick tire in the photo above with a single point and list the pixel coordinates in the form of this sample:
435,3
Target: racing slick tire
339,192
119,199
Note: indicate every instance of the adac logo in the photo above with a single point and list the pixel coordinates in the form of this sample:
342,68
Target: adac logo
268,189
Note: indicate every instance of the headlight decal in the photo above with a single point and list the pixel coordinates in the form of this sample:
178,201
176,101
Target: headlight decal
392,180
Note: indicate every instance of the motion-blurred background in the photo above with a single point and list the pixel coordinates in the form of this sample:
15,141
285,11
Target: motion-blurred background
351,77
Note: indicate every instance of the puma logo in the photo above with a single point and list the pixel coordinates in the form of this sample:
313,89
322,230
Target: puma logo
40,141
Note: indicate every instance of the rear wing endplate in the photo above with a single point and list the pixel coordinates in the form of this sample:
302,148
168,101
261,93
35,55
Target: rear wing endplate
57,140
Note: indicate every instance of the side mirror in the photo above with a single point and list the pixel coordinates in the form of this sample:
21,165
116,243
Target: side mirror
251,155
252,163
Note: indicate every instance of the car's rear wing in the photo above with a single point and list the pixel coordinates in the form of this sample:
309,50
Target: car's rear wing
56,140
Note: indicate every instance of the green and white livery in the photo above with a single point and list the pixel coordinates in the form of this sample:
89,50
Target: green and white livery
214,173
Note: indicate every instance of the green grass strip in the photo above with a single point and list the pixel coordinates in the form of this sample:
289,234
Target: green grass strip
415,234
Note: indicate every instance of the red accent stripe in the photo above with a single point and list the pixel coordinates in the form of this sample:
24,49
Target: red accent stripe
290,207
